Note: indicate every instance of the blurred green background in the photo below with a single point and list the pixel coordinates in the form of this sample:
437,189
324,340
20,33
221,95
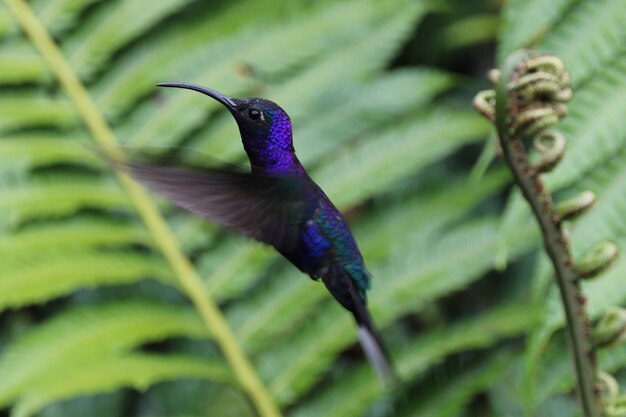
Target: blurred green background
93,321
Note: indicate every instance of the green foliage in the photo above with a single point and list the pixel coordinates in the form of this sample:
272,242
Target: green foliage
20,64
110,28
34,110
89,307
451,399
596,136
415,359
527,21
46,275
89,334
137,371
55,195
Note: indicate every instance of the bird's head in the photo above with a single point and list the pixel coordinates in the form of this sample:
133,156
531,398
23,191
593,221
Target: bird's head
265,127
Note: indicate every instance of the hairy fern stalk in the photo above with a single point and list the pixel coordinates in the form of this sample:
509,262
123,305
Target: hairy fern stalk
93,316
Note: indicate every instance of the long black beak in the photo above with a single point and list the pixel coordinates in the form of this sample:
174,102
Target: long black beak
225,100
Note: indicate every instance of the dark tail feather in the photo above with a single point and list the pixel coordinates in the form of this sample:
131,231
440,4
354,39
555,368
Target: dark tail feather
372,343
376,355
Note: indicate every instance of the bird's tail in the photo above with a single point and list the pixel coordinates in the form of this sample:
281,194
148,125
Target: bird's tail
377,356
372,343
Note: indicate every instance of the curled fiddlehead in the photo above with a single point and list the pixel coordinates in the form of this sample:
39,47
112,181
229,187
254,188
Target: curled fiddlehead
530,96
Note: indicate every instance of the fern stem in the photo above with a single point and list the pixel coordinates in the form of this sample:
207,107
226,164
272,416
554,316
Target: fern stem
532,188
154,221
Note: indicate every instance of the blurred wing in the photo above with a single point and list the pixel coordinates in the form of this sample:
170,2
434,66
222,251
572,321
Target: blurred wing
265,207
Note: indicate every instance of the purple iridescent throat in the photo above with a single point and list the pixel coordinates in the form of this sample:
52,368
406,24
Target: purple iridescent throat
270,148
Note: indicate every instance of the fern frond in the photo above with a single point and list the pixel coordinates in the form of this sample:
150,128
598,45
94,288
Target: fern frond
595,132
70,234
294,299
601,294
553,374
233,266
60,15
57,196
7,24
375,104
89,334
181,44
591,35
156,224
439,202
471,30
137,371
34,111
415,358
376,164
556,377
450,400
110,28
47,275
19,63
372,50
37,150
595,128
319,32
606,220
527,21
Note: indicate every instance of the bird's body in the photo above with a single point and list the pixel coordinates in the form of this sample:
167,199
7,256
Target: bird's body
327,249
277,203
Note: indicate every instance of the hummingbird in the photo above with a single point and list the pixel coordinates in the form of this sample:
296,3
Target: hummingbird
277,203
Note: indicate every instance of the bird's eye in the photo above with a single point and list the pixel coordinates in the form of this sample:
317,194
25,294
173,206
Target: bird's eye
254,114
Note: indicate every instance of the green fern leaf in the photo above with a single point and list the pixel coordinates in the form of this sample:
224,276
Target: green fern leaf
60,15
601,294
7,24
526,21
40,150
70,235
595,128
453,398
232,267
137,371
606,220
34,111
47,275
186,112
362,387
377,104
556,376
90,334
113,26
182,44
19,63
553,373
376,164
57,196
589,38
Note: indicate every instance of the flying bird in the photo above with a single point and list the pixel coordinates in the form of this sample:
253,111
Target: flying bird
277,203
